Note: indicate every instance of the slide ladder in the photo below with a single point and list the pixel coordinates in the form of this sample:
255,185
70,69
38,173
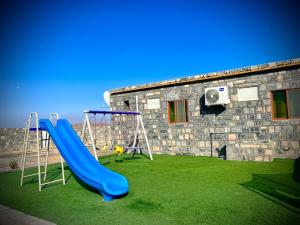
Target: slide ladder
41,140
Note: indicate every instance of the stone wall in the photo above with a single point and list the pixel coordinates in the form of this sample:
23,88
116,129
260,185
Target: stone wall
246,128
101,132
12,142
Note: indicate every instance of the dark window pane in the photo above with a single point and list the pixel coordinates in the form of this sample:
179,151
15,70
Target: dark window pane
186,111
279,104
126,106
172,112
294,102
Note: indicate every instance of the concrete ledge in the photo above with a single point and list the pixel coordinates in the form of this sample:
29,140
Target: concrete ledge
10,216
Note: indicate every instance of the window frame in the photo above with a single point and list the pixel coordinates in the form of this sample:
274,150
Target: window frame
175,111
287,104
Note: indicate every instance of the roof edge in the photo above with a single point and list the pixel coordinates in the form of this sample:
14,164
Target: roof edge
209,76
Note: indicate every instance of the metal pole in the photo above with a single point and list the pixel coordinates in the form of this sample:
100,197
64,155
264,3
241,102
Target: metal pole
62,170
61,158
46,160
26,136
85,112
211,148
48,144
147,142
38,149
137,121
91,135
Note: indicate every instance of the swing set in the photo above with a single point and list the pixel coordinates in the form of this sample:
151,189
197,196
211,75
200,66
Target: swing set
90,133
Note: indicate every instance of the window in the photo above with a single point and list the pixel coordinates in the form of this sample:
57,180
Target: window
126,106
285,104
177,111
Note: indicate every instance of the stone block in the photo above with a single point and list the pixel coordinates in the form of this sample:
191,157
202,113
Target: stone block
262,87
268,152
201,144
207,144
231,137
259,109
234,98
250,123
271,129
155,148
226,129
258,158
215,144
246,111
268,158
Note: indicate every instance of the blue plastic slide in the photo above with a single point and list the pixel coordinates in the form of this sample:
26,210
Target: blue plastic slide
111,185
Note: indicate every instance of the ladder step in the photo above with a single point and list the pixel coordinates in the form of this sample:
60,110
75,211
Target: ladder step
44,139
34,129
32,140
41,150
34,163
50,182
33,174
35,155
40,139
35,152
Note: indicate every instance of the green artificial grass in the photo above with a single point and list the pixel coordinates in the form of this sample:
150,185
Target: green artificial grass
168,190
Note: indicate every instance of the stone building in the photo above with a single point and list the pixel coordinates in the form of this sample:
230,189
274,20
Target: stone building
260,122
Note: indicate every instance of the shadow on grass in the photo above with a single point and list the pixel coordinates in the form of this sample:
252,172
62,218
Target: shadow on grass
51,176
276,188
130,157
91,189
296,174
56,174
84,185
105,159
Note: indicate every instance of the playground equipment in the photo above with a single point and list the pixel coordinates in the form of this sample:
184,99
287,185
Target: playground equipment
118,153
118,150
110,185
87,128
42,143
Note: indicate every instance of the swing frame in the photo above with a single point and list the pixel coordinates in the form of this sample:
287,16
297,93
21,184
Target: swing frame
140,125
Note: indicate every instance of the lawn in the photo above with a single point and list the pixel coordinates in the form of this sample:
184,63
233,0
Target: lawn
168,190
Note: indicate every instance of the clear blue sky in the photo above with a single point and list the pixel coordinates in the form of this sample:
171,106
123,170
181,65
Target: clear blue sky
60,56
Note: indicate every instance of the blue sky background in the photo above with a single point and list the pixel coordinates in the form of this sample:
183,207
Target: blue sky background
60,56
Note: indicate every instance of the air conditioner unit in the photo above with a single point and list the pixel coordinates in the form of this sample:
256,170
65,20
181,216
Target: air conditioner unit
217,96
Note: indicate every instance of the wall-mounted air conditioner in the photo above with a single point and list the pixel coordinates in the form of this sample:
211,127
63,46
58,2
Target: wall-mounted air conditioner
217,96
